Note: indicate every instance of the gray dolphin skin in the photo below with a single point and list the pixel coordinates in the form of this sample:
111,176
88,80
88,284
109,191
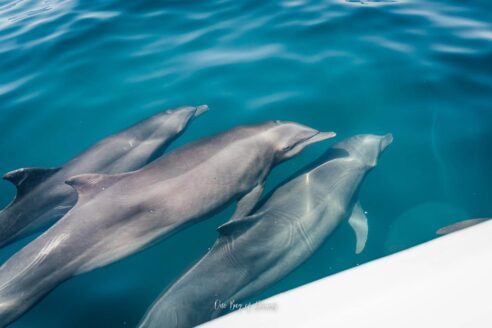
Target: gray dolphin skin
255,251
460,226
42,195
117,215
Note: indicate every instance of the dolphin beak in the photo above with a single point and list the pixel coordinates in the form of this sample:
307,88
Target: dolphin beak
320,136
199,110
386,140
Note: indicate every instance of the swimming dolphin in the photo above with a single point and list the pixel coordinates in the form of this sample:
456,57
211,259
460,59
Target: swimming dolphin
117,215
460,225
255,251
42,195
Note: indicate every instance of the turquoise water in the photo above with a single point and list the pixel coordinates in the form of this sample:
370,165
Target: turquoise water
74,72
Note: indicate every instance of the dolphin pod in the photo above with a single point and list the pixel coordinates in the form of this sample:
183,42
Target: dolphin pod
253,252
43,197
117,215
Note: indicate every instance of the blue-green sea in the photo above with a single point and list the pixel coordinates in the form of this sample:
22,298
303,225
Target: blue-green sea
73,72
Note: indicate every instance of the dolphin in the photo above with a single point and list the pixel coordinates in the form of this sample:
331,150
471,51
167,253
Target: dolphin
117,215
43,197
460,225
253,252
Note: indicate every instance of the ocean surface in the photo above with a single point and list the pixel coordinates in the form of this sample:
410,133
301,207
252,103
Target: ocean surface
73,72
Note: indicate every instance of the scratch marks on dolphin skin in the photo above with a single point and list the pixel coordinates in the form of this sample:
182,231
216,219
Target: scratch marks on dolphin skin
41,255
52,244
229,253
304,236
290,237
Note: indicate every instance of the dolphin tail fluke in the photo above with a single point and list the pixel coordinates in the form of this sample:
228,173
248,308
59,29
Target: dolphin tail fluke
459,225
358,222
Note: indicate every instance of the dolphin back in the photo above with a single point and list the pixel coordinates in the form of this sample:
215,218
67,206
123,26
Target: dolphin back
42,197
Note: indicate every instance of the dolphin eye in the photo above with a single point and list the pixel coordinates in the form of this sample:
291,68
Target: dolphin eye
287,148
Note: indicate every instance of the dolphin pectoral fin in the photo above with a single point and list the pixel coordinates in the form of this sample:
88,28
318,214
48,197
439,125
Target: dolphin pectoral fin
248,202
358,222
87,185
28,178
235,226
459,225
239,220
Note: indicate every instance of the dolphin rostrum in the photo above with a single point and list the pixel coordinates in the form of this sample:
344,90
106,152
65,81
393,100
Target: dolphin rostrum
117,215
43,197
253,252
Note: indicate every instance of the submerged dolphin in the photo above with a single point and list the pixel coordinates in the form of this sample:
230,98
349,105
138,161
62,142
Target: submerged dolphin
117,215
43,197
460,225
255,251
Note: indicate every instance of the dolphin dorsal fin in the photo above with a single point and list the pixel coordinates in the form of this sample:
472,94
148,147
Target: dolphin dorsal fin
87,185
358,222
239,225
28,178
